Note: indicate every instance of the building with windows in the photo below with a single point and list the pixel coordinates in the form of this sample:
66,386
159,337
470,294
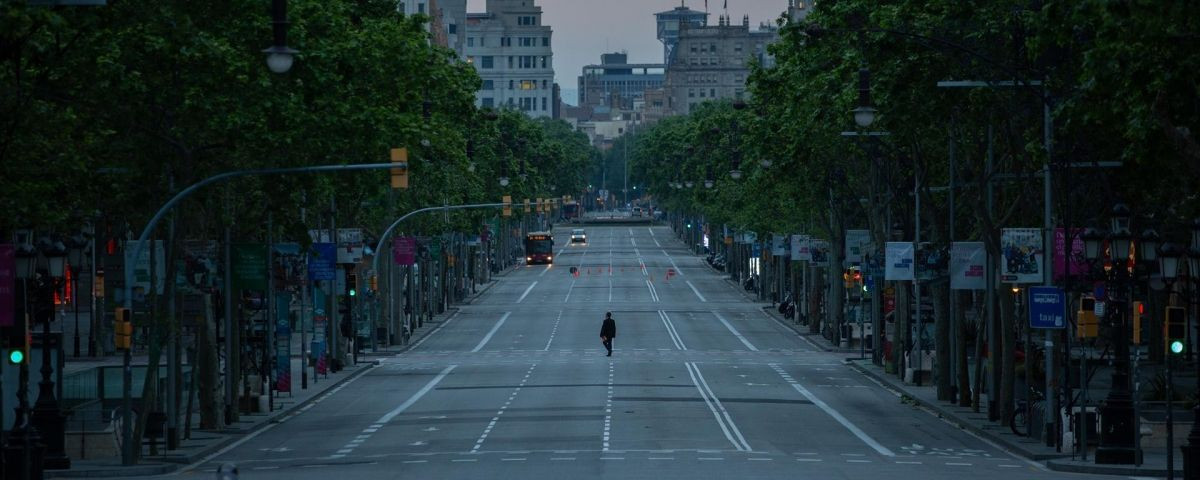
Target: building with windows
446,20
671,22
617,83
511,49
712,62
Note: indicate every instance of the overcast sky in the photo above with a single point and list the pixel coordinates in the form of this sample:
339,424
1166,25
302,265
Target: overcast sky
584,29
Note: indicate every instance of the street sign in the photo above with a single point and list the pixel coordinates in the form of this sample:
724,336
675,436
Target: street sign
321,261
1047,307
249,266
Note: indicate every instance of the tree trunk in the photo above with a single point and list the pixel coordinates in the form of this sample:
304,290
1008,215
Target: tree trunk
900,316
941,312
816,291
1008,343
964,376
208,385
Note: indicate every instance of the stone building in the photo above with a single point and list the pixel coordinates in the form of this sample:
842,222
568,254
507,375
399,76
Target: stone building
510,47
712,62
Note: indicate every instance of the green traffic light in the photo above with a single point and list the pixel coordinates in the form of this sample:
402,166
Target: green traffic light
16,357
1177,346
353,292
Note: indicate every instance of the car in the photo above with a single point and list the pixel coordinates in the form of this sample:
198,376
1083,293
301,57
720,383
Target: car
578,236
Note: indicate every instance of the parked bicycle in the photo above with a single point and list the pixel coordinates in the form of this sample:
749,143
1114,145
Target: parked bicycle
1024,414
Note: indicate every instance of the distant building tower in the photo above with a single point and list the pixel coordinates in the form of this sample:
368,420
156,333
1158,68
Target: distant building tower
670,22
798,10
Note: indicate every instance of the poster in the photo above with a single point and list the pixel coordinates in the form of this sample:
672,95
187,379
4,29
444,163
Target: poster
779,245
404,250
1023,256
321,258
858,242
967,266
8,279
820,252
899,258
1073,262
249,266
931,262
800,248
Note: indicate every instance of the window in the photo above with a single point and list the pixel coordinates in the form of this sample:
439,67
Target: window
470,41
510,63
694,48
691,93
545,84
526,20
452,29
528,84
543,61
712,92
421,7
487,62
488,102
712,47
701,93
545,102
528,41
489,85
545,41
511,84
737,47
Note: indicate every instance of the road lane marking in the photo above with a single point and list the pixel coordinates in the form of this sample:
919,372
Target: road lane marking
527,290
833,413
656,243
436,330
653,292
416,396
548,267
697,292
554,331
651,229
735,332
488,337
608,410
672,260
491,425
569,290
671,330
718,410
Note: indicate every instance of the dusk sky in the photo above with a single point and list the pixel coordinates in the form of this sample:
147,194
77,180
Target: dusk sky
584,29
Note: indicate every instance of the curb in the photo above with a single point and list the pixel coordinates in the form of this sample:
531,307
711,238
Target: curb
115,471
820,344
1060,465
941,412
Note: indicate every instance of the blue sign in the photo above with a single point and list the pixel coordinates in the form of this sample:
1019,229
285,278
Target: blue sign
755,250
322,261
1047,307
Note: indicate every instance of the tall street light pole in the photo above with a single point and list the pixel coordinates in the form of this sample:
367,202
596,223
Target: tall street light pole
47,416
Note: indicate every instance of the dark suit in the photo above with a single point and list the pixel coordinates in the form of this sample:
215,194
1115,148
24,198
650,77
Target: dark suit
607,332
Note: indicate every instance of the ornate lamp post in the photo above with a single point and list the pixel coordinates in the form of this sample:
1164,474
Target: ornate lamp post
279,55
47,416
1117,432
1191,450
23,450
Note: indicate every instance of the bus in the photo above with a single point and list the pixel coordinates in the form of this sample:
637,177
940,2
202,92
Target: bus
539,248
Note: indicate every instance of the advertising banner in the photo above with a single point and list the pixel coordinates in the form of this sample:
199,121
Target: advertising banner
858,242
249,266
8,279
322,260
932,262
899,257
967,266
779,245
404,250
1071,261
800,248
1023,255
820,252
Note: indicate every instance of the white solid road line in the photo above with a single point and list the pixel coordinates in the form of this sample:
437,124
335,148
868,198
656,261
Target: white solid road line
653,293
416,396
833,413
548,267
734,331
527,290
488,337
651,229
714,404
672,260
697,292
569,290
438,329
675,338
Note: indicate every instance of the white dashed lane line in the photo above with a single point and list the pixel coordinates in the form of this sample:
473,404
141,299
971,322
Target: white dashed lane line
608,406
507,403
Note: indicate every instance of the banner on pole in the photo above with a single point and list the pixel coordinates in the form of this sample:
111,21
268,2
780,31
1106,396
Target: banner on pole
404,250
8,281
1024,257
1071,261
899,258
800,248
932,262
857,243
249,266
322,262
820,252
779,245
967,266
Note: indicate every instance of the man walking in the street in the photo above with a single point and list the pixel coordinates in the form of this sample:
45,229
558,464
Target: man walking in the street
607,331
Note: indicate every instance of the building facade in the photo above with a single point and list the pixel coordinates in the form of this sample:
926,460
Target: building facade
617,83
671,22
510,48
712,62
447,19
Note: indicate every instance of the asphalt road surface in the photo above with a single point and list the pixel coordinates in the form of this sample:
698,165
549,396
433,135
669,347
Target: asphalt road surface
702,384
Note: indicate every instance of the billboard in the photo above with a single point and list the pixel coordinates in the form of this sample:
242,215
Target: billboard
899,258
1023,258
967,266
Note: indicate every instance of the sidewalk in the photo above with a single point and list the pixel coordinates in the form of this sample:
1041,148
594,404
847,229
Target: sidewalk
206,443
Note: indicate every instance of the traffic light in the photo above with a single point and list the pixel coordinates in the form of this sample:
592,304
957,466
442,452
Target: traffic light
344,304
1139,309
1086,323
507,205
123,329
400,172
847,279
373,282
16,356
1175,328
526,205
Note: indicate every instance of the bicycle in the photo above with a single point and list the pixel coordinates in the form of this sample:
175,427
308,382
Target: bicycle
1023,414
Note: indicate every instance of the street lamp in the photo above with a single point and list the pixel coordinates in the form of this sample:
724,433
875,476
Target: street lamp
1092,239
1117,433
76,245
23,450
1149,246
864,115
279,55
47,415
766,163
708,179
689,184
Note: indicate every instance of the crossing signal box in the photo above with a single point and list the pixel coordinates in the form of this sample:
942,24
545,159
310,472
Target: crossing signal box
400,171
526,205
1139,309
1175,330
1086,323
507,205
123,329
